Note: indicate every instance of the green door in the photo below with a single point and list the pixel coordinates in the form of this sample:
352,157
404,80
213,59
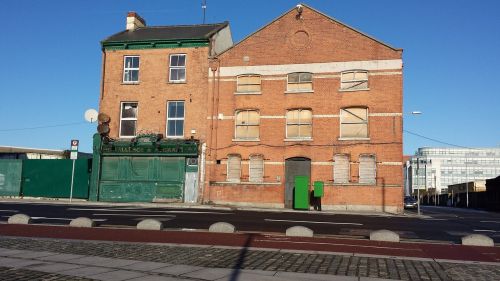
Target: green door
10,177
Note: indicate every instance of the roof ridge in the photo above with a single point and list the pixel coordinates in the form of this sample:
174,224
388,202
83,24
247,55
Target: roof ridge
184,25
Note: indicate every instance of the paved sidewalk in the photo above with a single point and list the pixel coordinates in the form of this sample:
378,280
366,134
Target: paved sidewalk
51,259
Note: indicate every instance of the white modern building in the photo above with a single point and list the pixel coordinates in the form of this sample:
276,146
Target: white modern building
437,168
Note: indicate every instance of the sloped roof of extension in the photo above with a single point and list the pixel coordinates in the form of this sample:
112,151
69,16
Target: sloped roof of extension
323,14
172,32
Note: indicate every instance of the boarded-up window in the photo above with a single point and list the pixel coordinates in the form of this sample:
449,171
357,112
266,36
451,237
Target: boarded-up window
299,81
247,124
233,168
354,122
256,168
299,124
367,169
354,80
341,168
248,83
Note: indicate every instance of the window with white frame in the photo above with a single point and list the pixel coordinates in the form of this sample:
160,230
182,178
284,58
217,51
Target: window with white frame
233,168
341,168
354,80
177,70
175,119
128,119
299,124
354,122
299,82
256,168
247,124
131,69
367,169
248,83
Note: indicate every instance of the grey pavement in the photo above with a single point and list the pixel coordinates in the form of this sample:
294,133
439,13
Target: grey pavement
51,259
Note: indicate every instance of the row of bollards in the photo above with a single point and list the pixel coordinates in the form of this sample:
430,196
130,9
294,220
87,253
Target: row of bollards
224,227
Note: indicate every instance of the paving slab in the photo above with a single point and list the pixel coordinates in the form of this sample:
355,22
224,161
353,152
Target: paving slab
145,266
86,271
247,276
60,257
33,254
313,277
210,273
117,275
55,267
17,263
10,252
157,278
100,261
178,269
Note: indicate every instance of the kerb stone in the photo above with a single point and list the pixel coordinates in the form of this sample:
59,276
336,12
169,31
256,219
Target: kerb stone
19,219
384,235
222,227
299,231
477,240
150,224
82,222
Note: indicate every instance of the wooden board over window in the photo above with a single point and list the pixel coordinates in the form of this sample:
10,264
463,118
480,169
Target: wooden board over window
354,122
248,83
341,168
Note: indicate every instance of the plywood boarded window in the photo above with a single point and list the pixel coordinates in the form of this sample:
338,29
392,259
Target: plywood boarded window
299,124
247,124
367,169
233,168
354,122
299,82
248,83
354,80
256,168
341,168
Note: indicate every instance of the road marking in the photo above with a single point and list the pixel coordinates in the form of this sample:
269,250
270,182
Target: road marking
67,219
491,221
434,219
11,211
317,222
134,215
484,230
148,211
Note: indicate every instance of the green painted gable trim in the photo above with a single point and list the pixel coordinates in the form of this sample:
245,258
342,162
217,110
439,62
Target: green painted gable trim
154,44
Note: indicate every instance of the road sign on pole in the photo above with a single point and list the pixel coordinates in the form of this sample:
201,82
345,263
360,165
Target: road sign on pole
73,156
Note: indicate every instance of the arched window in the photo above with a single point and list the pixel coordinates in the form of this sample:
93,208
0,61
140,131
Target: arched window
248,83
299,124
354,122
233,168
299,82
354,80
247,124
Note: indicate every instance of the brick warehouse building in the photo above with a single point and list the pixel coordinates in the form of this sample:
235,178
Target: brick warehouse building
152,110
306,95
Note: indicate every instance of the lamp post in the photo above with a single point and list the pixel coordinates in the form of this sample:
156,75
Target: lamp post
416,112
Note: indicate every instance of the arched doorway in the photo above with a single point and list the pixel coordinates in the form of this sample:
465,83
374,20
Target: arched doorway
295,166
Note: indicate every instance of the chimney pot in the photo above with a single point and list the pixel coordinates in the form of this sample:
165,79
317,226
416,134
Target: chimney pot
134,21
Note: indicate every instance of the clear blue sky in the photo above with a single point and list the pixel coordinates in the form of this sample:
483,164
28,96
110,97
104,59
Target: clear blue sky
51,60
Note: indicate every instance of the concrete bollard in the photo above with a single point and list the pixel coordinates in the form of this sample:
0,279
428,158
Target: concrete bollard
222,227
82,222
384,235
477,240
150,224
299,231
19,219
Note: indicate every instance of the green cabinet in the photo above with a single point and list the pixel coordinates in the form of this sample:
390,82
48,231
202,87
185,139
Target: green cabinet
318,189
301,193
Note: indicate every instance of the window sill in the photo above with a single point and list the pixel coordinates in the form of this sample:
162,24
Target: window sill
247,93
130,83
298,140
353,90
353,139
177,82
245,140
300,92
174,137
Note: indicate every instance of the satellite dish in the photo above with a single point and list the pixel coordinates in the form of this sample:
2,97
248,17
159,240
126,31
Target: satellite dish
91,115
103,118
103,129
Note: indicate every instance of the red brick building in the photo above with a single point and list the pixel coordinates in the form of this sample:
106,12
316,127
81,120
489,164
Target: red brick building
306,95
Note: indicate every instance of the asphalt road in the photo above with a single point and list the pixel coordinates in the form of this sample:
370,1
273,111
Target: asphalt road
439,223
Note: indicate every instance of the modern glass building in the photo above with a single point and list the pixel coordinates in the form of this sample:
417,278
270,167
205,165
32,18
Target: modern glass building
437,168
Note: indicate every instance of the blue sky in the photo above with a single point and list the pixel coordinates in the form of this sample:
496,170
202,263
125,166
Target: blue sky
51,60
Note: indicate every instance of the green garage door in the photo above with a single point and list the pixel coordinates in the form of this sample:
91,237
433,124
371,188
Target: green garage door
141,179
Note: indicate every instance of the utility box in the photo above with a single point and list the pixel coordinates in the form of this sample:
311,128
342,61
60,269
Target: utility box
318,188
301,193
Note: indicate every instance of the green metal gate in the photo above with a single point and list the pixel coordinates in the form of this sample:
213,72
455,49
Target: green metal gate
141,179
52,178
10,177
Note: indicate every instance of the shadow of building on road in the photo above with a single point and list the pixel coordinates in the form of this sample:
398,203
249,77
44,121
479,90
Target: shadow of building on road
238,266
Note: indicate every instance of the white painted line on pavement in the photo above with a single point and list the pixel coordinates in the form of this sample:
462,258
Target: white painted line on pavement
491,221
317,222
134,215
148,211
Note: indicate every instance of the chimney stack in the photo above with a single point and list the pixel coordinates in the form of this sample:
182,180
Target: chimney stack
134,21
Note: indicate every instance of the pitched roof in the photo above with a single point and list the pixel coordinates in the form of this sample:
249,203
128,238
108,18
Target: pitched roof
172,32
